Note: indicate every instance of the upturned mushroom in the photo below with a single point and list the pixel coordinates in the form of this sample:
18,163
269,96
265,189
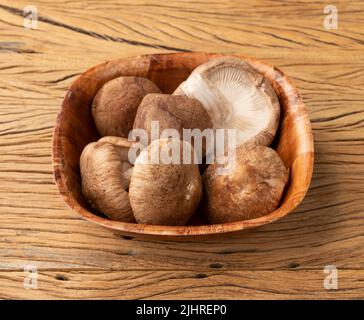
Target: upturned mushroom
171,112
251,189
235,95
116,103
105,173
166,191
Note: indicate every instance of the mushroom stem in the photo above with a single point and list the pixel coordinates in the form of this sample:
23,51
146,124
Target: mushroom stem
117,141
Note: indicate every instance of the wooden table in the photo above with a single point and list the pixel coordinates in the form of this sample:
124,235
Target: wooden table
76,259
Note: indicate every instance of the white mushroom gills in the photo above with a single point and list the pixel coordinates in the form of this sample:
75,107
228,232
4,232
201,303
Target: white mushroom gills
235,97
213,101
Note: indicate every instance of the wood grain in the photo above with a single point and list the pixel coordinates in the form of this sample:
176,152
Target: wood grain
232,285
36,68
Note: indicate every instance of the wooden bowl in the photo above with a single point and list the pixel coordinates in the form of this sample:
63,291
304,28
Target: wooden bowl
75,128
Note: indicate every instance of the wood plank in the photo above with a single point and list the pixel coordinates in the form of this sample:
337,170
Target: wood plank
186,25
182,285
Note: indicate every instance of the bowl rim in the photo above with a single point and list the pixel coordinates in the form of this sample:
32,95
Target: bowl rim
175,231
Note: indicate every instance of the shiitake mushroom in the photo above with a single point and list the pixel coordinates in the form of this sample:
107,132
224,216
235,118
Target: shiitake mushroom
167,192
172,112
252,187
115,104
236,96
105,172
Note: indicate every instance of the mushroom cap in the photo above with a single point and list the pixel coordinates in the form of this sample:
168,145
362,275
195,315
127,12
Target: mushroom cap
172,112
252,189
236,96
164,193
105,172
116,103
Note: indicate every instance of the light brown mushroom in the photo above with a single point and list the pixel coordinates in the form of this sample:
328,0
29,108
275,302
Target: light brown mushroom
236,96
116,103
172,112
167,192
251,189
105,173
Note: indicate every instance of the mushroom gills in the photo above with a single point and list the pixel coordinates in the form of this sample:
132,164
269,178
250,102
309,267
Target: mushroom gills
236,97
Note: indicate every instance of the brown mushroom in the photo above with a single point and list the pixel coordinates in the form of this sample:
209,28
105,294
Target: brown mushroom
172,112
116,103
236,96
105,172
251,189
167,192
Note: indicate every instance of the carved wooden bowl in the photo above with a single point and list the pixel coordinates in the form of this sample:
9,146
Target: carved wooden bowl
75,128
